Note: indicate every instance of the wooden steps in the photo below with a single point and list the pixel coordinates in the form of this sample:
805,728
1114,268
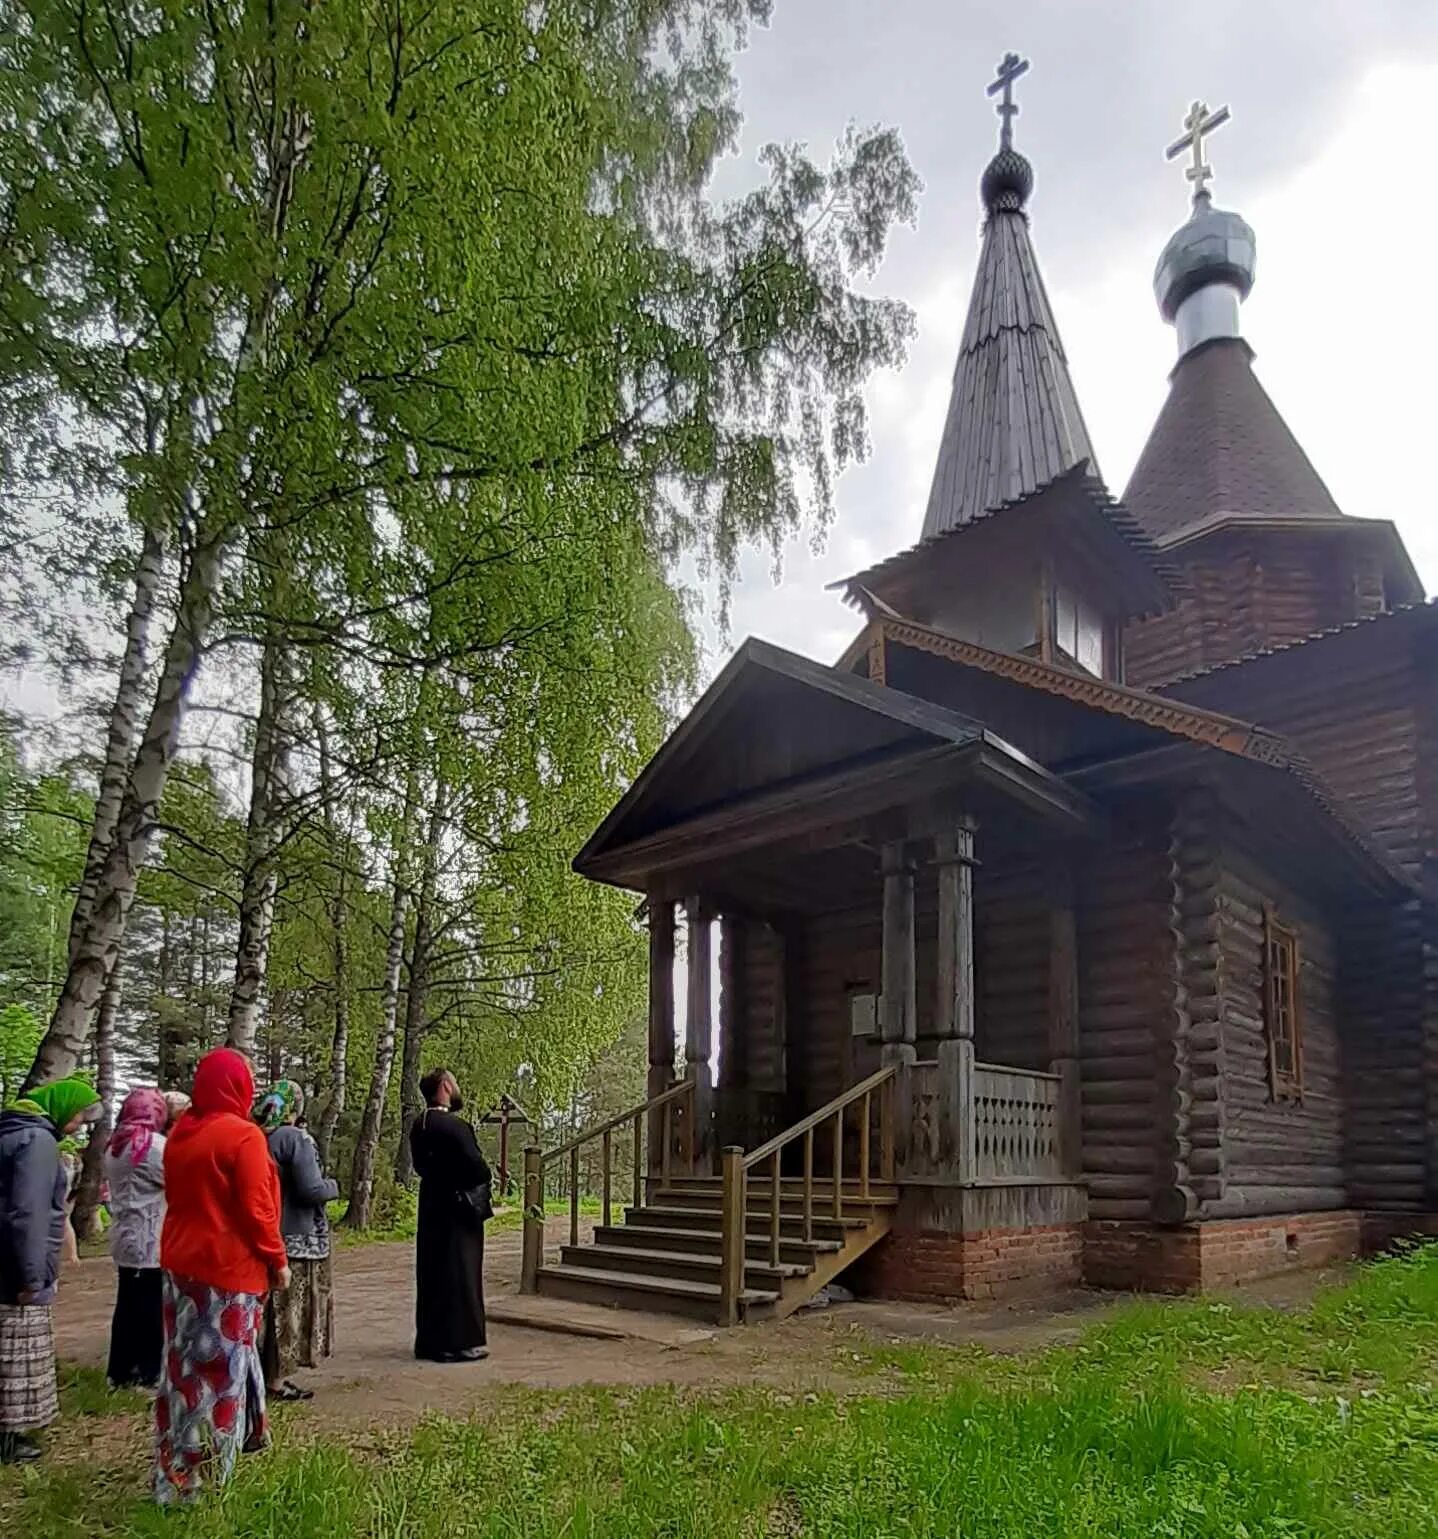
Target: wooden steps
666,1256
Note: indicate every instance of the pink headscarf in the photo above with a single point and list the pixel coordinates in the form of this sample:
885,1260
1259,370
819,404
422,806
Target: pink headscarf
142,1116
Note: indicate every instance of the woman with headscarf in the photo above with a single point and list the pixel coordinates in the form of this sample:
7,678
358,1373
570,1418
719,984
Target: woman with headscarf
221,1253
299,1320
135,1174
33,1190
177,1103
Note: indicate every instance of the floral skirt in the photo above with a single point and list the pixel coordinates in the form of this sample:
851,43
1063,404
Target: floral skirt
29,1396
211,1401
299,1322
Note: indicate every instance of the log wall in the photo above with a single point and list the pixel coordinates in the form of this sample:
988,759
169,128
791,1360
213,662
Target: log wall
1250,591
1126,992
1277,1156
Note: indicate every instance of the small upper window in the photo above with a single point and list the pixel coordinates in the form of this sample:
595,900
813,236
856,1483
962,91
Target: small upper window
1078,630
1282,1024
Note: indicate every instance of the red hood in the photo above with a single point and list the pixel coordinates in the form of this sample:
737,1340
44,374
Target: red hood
224,1082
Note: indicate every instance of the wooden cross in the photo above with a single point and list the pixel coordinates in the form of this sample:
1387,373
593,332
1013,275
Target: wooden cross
1010,67
1200,121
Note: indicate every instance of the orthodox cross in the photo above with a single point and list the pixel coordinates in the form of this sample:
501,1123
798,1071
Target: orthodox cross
1200,121
1009,69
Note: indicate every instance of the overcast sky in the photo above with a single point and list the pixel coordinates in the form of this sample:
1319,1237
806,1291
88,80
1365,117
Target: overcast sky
1329,156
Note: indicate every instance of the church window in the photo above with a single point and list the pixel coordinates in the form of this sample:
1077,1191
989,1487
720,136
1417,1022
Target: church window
1078,630
1281,1021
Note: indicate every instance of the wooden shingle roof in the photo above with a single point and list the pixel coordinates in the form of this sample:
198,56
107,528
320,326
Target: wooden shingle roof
1013,422
1220,450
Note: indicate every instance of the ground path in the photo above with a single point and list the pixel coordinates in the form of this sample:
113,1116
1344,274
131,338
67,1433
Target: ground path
373,1376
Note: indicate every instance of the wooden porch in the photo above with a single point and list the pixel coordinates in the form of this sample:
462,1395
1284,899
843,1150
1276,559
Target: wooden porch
815,834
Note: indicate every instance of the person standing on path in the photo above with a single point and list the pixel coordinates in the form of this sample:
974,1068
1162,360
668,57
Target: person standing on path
33,1219
449,1247
135,1174
299,1320
221,1252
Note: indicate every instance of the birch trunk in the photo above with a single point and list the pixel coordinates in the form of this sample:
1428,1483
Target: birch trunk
99,944
262,837
92,1168
120,735
417,996
357,1215
339,924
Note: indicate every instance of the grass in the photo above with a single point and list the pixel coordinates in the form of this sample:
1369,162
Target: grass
1189,1418
400,1223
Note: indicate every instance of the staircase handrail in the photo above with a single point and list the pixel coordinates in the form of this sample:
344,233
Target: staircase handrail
657,1113
734,1213
814,1119
674,1092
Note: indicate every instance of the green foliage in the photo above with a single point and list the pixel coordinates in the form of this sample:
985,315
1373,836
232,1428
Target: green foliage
43,828
20,1031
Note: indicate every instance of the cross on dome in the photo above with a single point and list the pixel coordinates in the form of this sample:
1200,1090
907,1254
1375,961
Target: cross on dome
1010,67
1199,122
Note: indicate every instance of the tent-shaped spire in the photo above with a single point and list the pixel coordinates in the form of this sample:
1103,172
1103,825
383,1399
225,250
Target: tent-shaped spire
1014,422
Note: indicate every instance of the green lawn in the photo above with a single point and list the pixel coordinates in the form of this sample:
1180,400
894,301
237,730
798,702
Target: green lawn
1171,1419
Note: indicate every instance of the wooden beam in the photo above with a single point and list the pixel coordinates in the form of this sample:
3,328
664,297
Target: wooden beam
699,1034
1064,1018
661,1019
954,1017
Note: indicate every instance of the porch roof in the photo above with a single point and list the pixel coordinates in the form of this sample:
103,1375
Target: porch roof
780,748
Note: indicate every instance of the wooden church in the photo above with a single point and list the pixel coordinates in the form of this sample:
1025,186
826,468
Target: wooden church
1075,924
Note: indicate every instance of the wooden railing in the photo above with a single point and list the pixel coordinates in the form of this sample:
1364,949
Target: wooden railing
1016,1124
737,1166
658,1115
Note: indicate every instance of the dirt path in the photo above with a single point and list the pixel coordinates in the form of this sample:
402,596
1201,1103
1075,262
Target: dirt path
373,1377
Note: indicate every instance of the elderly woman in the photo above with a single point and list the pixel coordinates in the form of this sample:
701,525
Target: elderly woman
135,1173
33,1191
221,1252
299,1321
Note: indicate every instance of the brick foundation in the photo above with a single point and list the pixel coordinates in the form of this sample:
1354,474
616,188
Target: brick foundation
1189,1258
990,1264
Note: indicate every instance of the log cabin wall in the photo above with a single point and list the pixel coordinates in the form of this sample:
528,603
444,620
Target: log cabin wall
839,955
1249,591
753,1015
1278,1156
1369,725
1011,964
1127,1000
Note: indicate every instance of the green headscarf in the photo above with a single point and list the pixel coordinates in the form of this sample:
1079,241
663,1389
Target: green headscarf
61,1100
283,1100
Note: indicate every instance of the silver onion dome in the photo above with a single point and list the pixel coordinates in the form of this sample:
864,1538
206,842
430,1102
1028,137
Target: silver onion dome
1205,271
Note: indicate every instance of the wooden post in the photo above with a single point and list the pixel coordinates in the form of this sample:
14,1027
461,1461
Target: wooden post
661,1027
638,1172
954,1016
533,1253
608,1154
732,1237
699,1038
574,1195
1064,1021
898,1001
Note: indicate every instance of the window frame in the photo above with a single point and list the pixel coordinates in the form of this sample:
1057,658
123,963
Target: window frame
1283,1006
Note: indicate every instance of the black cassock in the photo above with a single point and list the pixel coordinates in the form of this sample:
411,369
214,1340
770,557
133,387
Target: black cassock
449,1249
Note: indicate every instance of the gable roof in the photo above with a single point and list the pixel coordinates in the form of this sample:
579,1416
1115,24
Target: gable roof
776,729
1013,422
1220,448
1077,492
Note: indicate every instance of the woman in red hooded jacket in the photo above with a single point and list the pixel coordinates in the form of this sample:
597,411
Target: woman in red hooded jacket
221,1252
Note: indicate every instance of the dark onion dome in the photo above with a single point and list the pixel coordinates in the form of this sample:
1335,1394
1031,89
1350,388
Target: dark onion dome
1213,246
1007,182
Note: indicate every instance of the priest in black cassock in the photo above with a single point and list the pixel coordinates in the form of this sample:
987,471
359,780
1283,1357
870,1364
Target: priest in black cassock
449,1248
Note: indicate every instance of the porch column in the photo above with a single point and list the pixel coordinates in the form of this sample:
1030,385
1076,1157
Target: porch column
954,1017
661,1022
898,1001
1064,1020
699,1036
